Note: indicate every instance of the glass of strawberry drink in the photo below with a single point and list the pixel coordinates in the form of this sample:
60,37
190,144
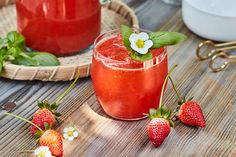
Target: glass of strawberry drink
126,88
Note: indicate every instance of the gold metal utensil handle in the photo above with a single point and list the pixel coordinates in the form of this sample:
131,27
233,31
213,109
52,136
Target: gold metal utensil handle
223,55
203,44
217,48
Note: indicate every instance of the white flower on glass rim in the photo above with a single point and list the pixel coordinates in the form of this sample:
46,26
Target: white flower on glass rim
140,42
42,151
70,133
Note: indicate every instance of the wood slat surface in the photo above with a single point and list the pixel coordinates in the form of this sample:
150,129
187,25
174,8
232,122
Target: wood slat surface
102,136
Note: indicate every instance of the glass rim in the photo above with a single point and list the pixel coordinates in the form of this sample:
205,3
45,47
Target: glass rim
146,64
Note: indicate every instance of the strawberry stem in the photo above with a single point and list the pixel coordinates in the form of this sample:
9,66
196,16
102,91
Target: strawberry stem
164,84
68,89
174,87
13,115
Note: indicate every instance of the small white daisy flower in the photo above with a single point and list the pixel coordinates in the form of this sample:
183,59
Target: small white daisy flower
140,42
70,133
42,151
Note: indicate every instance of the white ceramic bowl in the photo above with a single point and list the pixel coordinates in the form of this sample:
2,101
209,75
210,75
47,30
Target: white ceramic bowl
211,19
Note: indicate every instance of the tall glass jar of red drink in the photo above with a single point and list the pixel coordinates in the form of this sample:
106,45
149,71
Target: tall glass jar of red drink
59,26
126,88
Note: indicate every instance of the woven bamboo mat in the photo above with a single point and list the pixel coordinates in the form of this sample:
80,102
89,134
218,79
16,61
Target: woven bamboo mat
113,15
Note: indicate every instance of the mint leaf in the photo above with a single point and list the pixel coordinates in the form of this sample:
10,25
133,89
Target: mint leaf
3,57
104,1
1,65
126,32
2,42
24,59
161,39
44,59
15,39
141,57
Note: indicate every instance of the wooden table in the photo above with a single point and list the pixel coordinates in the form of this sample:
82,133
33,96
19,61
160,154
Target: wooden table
102,136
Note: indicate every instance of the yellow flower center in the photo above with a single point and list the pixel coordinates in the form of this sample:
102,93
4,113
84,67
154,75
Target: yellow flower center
42,154
140,43
70,133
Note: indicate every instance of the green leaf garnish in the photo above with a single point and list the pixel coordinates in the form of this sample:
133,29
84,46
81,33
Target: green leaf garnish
23,59
161,39
15,39
13,49
126,32
139,57
44,59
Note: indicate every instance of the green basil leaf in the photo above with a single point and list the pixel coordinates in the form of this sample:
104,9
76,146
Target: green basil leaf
104,1
14,51
126,32
140,57
1,65
2,42
45,59
15,39
161,39
24,59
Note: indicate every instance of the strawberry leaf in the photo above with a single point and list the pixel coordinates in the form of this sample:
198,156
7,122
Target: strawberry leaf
47,105
172,124
54,106
38,134
191,98
167,114
180,103
152,111
46,126
40,104
126,32
159,112
57,114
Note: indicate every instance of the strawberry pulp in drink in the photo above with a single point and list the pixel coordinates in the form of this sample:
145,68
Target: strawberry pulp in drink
126,88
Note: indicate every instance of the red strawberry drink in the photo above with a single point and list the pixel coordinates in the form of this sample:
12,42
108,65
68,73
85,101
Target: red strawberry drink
124,87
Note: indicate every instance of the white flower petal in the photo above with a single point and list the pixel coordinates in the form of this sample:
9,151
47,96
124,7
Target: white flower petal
65,135
143,36
133,38
48,154
71,128
36,151
71,138
148,44
75,134
143,50
66,130
44,148
134,47
41,149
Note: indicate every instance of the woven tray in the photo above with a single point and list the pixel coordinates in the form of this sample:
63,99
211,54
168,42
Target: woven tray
113,15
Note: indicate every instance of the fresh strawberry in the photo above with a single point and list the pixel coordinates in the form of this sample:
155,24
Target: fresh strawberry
159,127
53,140
47,137
158,130
45,114
190,113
